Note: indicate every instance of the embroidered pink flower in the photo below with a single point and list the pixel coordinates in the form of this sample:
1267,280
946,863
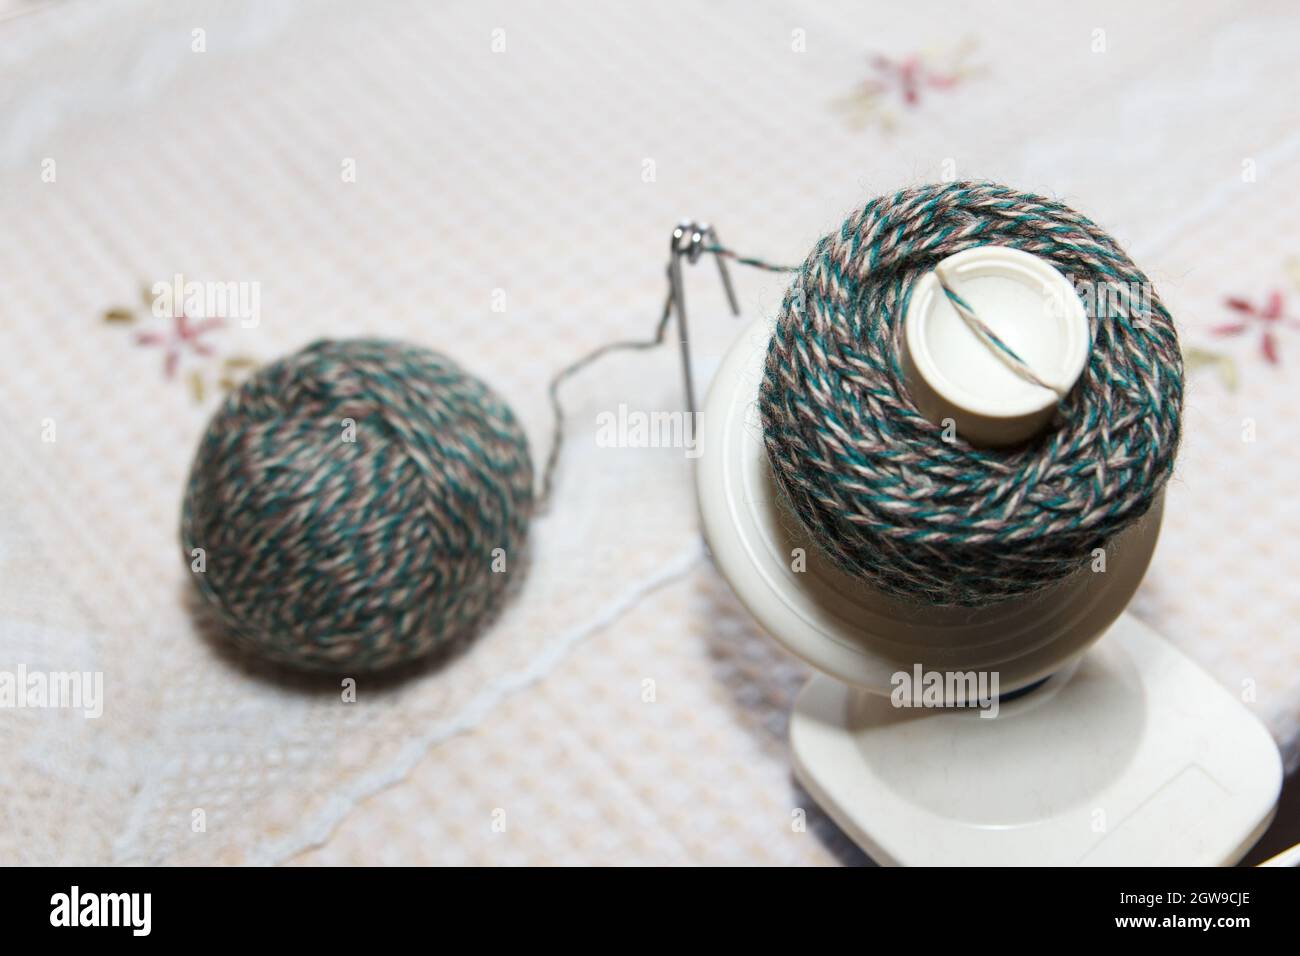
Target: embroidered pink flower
905,80
185,334
1270,317
909,76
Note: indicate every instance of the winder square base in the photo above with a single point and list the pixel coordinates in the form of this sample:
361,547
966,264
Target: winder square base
1135,756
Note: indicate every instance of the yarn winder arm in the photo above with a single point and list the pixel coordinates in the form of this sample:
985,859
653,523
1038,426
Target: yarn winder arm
687,242
689,239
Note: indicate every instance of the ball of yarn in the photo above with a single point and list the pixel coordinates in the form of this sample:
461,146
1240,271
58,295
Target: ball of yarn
872,481
350,501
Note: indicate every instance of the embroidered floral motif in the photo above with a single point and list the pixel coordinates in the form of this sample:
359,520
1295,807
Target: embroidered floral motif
184,336
1268,317
905,80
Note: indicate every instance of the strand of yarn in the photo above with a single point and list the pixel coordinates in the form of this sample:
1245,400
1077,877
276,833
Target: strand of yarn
750,261
558,416
877,486
1003,352
557,408
353,502
983,332
657,339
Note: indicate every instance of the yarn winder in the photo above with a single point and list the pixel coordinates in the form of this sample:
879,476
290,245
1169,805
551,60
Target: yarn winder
1108,746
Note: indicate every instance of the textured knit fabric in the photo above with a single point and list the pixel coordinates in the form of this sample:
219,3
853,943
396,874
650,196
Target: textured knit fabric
358,505
876,485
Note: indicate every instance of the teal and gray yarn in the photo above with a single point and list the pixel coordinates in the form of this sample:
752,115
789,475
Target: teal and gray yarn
353,556
871,480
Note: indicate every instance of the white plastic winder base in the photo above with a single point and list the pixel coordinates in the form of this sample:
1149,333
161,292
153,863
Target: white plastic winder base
1128,754
1138,757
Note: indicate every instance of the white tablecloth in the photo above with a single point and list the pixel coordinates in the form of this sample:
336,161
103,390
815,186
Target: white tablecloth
404,169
